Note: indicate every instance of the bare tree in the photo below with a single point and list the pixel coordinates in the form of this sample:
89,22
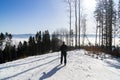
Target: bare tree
69,2
105,16
83,28
79,22
63,35
75,4
118,30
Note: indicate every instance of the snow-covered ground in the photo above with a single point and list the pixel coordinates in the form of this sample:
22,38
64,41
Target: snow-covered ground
47,67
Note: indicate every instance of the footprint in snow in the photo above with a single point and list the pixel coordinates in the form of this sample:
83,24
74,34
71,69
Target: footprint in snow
88,75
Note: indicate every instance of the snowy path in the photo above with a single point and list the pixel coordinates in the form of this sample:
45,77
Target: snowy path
47,67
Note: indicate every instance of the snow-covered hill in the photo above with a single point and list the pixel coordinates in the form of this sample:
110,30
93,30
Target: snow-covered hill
47,67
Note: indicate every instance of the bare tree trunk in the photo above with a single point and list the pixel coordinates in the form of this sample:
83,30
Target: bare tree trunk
70,7
69,3
79,24
102,29
99,35
75,23
110,17
83,29
72,35
96,33
119,22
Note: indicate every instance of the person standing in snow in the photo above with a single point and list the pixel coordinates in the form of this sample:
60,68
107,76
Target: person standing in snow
63,49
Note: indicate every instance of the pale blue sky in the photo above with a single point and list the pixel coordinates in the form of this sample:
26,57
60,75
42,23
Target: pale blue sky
30,16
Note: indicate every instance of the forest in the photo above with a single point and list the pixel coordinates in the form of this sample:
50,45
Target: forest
36,45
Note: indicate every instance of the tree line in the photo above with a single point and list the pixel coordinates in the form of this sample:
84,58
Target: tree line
39,44
108,22
107,15
77,19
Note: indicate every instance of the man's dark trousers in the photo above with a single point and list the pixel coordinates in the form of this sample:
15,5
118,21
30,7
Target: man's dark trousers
63,54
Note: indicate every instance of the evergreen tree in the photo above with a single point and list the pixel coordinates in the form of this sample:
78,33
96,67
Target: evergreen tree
32,46
6,53
1,56
19,49
2,38
25,49
14,53
46,42
38,42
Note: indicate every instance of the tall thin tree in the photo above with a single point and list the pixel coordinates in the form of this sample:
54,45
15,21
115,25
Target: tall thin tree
79,22
75,4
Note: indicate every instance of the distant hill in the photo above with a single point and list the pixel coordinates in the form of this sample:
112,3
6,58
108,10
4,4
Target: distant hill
22,35
28,35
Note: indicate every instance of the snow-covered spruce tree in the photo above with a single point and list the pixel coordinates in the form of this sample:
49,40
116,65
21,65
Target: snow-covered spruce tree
8,50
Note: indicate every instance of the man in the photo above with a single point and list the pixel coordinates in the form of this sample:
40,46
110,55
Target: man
63,49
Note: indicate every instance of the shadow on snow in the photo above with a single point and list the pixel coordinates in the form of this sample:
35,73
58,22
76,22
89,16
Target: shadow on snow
50,73
117,66
28,70
25,63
